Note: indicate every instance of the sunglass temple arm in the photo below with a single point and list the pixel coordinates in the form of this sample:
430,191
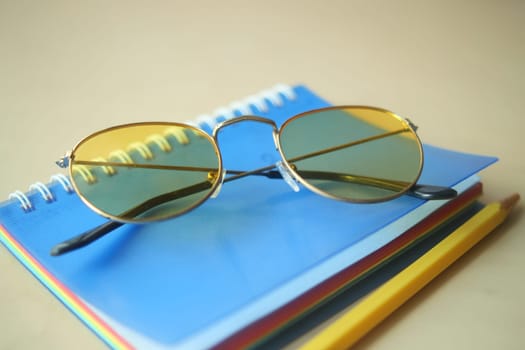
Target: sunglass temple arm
426,192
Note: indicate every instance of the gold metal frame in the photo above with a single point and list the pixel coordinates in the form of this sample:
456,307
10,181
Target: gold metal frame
277,134
218,178
408,127
71,162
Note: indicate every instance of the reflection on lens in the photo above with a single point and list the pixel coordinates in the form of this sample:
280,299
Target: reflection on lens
147,171
359,154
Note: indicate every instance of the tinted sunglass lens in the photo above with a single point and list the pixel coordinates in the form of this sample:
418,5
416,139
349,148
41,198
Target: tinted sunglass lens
147,171
357,154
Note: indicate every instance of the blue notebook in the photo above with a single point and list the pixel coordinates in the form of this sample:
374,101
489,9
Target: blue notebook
199,279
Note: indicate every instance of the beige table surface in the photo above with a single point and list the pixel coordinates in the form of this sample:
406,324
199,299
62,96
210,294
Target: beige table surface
457,68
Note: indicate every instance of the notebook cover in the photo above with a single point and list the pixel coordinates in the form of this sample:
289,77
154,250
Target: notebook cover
198,279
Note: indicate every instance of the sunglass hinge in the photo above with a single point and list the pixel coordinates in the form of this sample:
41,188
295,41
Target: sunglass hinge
63,161
412,125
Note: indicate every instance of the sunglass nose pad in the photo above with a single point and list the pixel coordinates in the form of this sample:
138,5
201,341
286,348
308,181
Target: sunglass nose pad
287,176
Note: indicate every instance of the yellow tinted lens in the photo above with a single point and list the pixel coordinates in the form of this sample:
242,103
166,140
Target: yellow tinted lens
357,154
147,171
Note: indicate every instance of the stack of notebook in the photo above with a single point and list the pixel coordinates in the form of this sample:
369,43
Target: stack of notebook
242,267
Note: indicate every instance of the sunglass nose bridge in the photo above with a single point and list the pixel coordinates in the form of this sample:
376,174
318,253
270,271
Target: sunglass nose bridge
243,118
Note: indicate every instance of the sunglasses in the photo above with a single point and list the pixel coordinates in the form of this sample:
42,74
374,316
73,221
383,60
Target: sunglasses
143,172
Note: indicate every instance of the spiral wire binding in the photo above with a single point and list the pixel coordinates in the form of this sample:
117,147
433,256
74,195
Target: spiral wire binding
64,181
260,102
22,198
43,190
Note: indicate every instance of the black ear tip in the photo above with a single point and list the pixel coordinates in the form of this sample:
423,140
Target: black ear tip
433,192
58,250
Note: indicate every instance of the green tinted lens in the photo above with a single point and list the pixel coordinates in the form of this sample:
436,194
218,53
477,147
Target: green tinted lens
147,171
360,154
